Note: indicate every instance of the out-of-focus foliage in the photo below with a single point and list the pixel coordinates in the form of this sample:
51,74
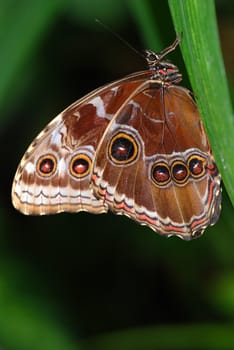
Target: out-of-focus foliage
98,282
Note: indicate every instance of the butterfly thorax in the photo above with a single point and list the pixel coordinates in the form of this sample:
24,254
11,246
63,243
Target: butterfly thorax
163,71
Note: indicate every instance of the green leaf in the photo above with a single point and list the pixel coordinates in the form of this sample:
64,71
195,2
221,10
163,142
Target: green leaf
202,55
144,16
27,318
193,336
22,26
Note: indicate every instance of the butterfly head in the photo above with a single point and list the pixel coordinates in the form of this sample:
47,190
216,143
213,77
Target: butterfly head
165,71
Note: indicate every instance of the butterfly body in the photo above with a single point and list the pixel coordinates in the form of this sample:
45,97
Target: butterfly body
136,147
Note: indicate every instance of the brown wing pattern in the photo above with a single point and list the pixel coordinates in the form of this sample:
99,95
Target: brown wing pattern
154,163
54,174
136,147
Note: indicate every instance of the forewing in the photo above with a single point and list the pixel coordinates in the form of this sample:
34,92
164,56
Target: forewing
154,163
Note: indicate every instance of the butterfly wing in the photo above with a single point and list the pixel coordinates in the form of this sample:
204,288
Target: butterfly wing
135,147
54,174
154,163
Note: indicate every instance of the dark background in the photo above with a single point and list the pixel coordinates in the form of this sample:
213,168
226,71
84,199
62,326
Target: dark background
96,282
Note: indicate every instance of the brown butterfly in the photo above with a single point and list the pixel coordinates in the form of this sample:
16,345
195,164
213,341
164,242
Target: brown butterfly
136,146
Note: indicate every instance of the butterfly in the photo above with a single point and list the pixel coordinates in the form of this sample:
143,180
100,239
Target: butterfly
136,147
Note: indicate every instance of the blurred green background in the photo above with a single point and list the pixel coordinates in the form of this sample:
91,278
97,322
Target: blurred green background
98,282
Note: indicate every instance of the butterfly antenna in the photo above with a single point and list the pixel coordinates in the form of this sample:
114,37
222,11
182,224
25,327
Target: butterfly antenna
126,43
